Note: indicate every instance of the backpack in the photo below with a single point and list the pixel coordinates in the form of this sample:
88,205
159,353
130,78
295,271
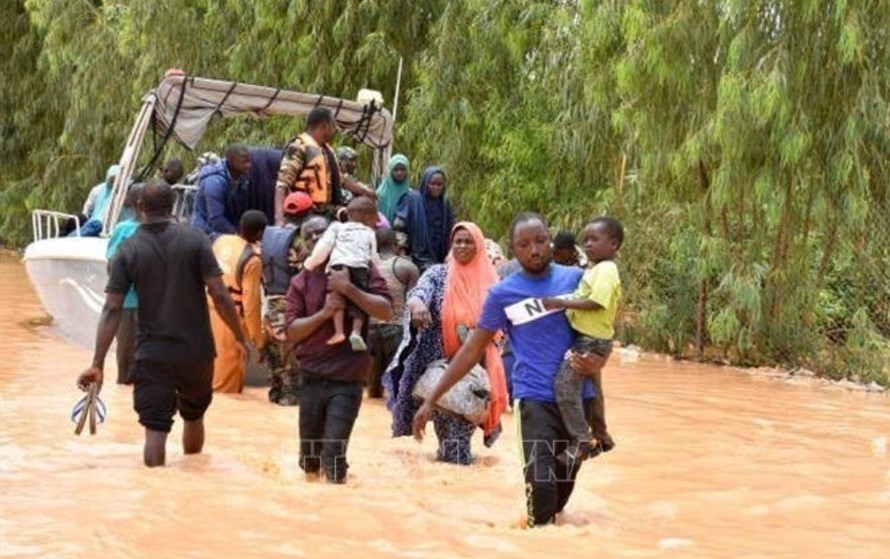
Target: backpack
275,245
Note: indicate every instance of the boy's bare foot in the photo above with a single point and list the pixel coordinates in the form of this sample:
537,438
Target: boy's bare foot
336,339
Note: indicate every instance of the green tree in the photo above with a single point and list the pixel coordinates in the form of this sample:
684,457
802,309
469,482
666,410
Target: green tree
743,143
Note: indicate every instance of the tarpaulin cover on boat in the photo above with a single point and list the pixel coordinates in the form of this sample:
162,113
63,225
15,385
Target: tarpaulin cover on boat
190,103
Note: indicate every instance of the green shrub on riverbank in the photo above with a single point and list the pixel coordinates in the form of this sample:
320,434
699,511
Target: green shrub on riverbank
744,144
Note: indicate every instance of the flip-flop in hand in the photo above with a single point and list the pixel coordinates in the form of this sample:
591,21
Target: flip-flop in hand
89,407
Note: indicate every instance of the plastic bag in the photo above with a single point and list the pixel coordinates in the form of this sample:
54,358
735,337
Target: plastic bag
468,398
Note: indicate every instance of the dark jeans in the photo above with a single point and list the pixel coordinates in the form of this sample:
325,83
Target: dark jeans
383,341
328,410
568,391
548,482
126,346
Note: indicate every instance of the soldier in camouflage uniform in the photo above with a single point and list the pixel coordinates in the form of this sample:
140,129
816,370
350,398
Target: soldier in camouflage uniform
284,370
309,165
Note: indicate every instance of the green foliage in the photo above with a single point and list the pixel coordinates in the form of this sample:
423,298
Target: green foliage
743,143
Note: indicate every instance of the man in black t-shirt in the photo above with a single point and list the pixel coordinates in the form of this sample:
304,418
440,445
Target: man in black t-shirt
169,265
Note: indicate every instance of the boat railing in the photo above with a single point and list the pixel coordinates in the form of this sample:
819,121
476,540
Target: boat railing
184,201
47,224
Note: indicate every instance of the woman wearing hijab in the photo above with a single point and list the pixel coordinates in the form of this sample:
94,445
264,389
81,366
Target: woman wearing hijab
441,309
394,186
426,218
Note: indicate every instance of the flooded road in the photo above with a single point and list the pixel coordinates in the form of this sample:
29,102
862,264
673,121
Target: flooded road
709,463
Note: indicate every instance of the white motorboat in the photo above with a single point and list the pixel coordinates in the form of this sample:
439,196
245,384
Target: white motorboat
70,273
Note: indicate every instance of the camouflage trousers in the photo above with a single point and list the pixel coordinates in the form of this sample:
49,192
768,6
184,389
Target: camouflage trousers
285,380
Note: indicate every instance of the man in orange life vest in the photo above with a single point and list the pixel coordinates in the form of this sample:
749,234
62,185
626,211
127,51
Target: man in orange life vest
309,165
242,271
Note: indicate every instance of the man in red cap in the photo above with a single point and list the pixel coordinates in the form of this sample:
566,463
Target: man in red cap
283,251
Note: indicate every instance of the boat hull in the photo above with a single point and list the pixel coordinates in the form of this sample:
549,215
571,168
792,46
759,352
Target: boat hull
69,276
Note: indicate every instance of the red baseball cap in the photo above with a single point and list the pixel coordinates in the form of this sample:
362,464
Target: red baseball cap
297,203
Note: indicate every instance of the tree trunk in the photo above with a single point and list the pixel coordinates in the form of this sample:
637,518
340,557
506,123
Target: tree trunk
780,254
701,306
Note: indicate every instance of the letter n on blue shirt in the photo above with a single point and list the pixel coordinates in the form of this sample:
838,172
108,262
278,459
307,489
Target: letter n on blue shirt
540,338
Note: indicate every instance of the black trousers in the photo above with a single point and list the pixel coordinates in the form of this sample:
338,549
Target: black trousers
328,410
161,389
548,482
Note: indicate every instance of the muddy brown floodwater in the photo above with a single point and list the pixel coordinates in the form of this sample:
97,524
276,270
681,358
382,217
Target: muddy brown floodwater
709,463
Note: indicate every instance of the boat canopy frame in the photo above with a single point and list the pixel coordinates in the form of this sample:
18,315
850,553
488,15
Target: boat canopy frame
181,108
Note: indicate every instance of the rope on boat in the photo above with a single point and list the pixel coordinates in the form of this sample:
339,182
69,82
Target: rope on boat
159,148
271,100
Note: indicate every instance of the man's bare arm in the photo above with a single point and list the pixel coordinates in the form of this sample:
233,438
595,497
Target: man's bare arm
109,322
578,303
279,207
302,327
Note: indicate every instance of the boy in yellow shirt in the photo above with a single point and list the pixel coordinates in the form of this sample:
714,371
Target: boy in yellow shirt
591,311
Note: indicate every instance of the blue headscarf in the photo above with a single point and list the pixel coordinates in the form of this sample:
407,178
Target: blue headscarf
420,213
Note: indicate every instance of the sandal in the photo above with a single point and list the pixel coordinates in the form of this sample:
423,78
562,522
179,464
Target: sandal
90,406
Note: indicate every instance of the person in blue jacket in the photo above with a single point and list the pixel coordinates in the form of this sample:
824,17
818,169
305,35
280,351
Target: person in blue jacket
219,185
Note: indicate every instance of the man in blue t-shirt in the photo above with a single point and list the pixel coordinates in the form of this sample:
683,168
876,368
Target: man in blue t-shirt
540,340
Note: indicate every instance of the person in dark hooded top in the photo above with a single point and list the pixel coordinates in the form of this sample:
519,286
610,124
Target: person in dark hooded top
214,211
258,192
426,218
